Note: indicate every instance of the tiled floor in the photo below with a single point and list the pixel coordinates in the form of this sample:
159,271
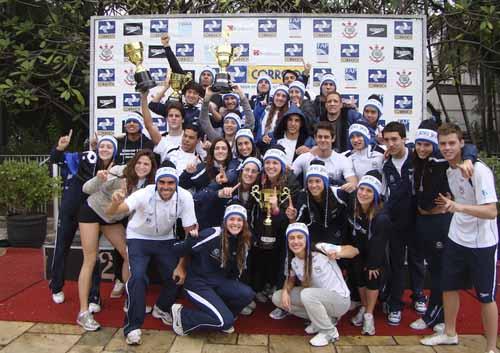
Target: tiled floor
28,337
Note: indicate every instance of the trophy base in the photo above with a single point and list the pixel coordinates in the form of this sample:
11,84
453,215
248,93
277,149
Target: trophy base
144,81
222,83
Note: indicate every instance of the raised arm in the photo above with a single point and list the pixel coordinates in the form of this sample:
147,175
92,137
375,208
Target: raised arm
247,109
205,123
148,121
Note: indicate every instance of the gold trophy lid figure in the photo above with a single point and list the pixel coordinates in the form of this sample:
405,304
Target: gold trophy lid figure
135,54
224,54
177,82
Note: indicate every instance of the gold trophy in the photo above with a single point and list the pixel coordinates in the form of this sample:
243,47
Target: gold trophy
177,82
225,54
134,52
263,199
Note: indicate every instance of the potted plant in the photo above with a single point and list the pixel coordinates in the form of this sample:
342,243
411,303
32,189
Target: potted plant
24,188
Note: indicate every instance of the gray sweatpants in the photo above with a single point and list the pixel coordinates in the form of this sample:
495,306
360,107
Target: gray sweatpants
316,304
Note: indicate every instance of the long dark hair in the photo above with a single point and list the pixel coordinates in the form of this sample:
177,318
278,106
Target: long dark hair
272,110
130,175
211,159
244,241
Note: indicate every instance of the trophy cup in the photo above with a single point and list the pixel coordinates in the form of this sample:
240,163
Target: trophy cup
177,82
224,54
263,199
134,52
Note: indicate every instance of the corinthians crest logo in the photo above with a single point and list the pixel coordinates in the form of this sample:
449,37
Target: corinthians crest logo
129,77
404,79
377,54
106,52
349,29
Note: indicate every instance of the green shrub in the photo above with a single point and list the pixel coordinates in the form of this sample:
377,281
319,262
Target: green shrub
25,186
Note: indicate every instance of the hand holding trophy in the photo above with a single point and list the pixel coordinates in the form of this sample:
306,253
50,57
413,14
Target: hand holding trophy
225,54
135,54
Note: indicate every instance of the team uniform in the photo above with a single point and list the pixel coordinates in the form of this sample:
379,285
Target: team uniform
338,166
151,234
369,158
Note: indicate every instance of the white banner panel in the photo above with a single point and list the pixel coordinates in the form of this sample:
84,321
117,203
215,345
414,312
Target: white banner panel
376,54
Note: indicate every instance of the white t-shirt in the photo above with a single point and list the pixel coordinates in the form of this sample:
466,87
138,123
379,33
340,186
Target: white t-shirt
181,159
154,219
398,162
325,273
264,122
169,142
466,230
338,166
290,147
365,160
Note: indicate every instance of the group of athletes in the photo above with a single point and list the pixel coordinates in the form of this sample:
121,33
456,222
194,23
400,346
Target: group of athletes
308,203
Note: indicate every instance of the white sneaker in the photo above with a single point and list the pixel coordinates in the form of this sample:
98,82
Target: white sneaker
252,305
418,324
118,289
278,314
357,320
439,328
176,320
228,331
147,310
94,308
311,329
246,311
354,305
324,338
58,297
86,320
261,297
439,338
368,325
162,315
134,337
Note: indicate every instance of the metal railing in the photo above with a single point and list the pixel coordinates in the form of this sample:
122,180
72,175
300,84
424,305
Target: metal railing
41,159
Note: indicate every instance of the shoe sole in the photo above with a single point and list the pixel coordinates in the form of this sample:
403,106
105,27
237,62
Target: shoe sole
356,324
133,343
394,323
88,329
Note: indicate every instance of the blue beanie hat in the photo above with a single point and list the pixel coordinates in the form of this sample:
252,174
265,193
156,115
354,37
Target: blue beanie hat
362,130
274,152
235,209
167,172
375,103
136,118
327,78
265,77
298,85
253,160
235,117
372,181
320,171
281,88
110,139
232,94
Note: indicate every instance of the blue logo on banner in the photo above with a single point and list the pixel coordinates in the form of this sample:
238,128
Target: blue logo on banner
212,26
294,24
406,123
347,98
267,26
184,49
243,47
403,27
403,102
319,72
322,26
351,74
160,124
322,49
131,100
158,26
105,75
294,49
106,27
106,124
158,73
377,76
349,50
238,73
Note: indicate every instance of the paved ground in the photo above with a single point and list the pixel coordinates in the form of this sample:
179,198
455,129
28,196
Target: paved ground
28,337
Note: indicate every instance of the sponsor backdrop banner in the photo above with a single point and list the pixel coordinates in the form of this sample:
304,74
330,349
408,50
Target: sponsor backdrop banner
367,54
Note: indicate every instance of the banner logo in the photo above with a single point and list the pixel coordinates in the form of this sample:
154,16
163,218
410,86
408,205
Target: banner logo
274,71
212,28
106,29
106,124
158,27
322,28
404,79
351,99
131,101
267,28
294,27
349,53
403,104
403,53
184,52
350,30
105,77
132,29
294,52
160,124
159,74
244,49
322,52
129,77
377,54
374,30
351,77
377,78
318,75
106,102
403,29
106,53
238,73
156,52
405,122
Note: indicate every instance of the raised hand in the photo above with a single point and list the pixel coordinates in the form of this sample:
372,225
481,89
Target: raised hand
221,178
191,167
291,211
64,141
103,175
165,40
118,197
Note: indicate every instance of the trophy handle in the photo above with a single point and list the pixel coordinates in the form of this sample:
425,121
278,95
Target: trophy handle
285,193
256,194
